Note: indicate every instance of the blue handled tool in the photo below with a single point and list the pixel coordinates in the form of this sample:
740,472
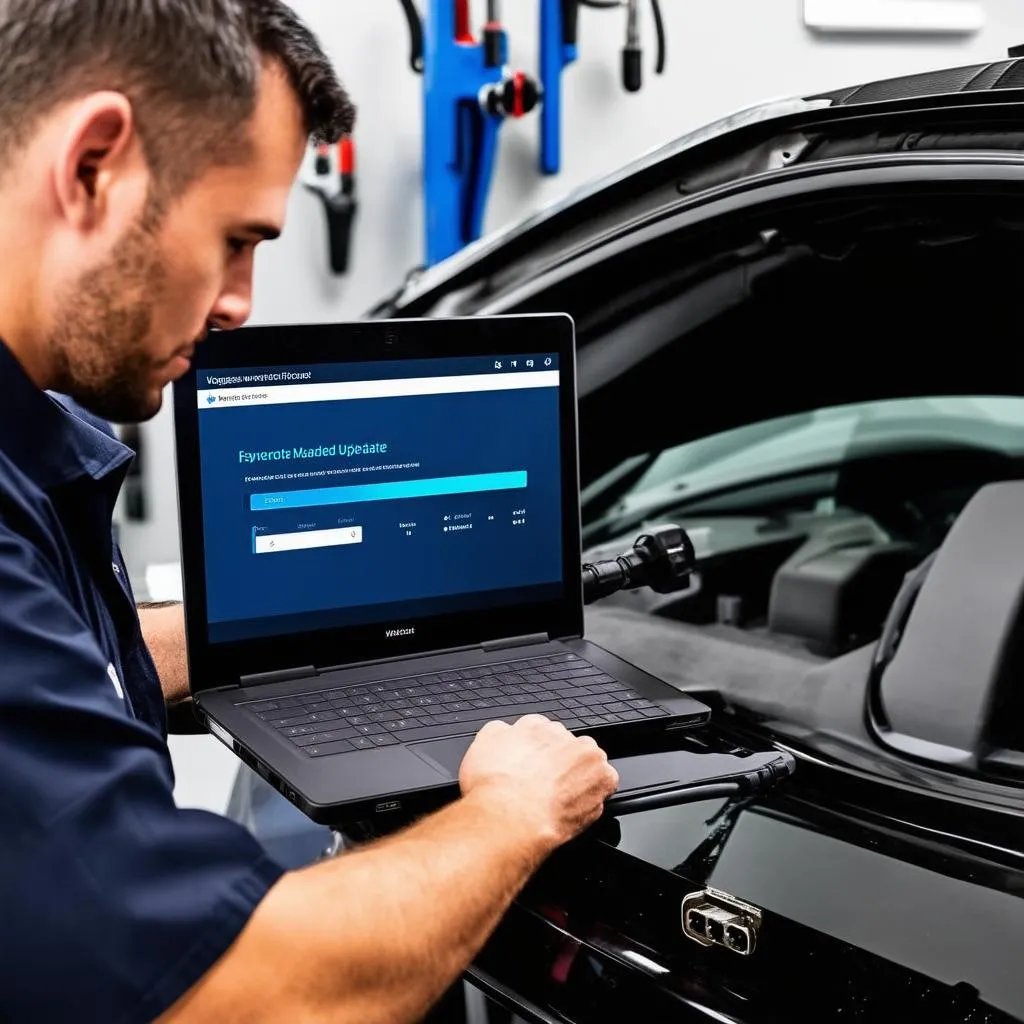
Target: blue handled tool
468,92
558,49
558,33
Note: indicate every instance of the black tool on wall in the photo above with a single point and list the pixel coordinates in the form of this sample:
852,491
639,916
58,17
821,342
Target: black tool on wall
632,51
339,202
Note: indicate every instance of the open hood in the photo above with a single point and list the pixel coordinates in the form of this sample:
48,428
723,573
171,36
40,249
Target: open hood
849,292
846,248
773,136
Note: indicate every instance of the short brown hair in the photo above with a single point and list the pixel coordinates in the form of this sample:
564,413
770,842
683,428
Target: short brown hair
190,67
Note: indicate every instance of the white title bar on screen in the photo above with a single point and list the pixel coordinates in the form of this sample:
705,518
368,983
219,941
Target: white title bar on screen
288,394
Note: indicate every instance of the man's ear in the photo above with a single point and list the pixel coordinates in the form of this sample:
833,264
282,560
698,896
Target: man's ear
97,159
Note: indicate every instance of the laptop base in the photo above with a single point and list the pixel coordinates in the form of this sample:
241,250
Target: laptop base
418,776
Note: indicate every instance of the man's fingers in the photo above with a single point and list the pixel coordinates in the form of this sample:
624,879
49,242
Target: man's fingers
535,721
493,726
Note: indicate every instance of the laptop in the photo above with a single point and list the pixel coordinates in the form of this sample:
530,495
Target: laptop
381,549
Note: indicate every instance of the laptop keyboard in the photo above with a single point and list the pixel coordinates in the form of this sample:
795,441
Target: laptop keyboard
562,686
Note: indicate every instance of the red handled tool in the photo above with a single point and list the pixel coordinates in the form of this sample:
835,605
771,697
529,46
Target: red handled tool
340,203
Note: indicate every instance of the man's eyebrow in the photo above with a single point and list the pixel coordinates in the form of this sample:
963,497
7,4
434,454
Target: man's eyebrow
265,231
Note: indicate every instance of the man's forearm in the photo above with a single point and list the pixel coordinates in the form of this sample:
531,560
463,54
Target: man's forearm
379,934
163,628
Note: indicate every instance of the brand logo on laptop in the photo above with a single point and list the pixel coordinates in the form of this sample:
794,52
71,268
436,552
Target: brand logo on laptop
407,631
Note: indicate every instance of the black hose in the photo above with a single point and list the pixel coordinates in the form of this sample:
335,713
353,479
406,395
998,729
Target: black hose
415,22
672,798
659,27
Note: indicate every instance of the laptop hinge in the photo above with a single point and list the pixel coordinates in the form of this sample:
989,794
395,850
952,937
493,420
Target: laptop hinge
489,645
280,676
395,659
516,641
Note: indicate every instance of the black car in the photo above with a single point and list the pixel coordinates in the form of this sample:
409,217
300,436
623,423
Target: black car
801,337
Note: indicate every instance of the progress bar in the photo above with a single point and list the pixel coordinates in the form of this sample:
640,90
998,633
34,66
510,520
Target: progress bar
393,491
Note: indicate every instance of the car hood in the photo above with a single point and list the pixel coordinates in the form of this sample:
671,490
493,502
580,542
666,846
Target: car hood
769,224
741,145
427,284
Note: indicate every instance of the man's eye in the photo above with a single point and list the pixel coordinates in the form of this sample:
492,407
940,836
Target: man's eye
237,246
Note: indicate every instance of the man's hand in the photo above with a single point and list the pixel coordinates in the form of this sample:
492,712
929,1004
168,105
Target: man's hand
548,778
415,907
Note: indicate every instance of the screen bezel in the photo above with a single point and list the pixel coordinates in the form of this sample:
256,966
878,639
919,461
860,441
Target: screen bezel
218,665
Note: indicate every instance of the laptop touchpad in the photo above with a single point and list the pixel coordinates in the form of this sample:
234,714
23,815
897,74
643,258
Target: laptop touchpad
635,773
444,754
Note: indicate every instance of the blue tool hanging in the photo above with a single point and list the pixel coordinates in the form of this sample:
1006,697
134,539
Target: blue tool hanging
468,92
559,37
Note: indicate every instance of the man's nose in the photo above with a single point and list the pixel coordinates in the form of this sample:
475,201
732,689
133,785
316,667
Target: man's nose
232,308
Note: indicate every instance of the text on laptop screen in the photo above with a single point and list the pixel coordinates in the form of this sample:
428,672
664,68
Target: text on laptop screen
354,493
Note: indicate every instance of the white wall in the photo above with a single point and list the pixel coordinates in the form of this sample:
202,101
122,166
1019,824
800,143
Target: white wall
723,55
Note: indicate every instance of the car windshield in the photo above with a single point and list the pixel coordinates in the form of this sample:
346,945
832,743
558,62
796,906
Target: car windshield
823,438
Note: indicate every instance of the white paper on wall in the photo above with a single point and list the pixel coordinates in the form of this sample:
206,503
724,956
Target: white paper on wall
956,17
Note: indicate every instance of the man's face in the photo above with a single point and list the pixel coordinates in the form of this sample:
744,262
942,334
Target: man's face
124,329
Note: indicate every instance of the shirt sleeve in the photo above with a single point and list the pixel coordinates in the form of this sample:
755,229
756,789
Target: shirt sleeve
113,901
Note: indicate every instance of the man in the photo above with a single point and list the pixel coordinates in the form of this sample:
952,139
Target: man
146,148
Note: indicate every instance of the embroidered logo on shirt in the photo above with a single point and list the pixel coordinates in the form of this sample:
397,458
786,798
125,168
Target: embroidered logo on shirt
112,672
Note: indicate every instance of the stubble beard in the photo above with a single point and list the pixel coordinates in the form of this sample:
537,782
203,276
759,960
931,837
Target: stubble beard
102,327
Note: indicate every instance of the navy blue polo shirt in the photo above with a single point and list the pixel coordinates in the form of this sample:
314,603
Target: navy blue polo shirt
113,902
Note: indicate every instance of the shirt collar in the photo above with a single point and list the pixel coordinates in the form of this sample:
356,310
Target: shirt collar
50,441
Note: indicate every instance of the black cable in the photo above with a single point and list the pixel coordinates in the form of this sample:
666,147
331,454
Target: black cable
673,797
751,783
415,23
659,27
493,35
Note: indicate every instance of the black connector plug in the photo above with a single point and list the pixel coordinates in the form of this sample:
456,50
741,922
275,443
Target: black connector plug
340,206
662,559
494,37
770,775
632,54
570,22
632,69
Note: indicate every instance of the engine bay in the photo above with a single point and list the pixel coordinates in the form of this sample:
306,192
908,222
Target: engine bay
886,299
817,571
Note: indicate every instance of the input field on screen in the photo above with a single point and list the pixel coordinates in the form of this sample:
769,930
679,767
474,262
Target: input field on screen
305,540
392,491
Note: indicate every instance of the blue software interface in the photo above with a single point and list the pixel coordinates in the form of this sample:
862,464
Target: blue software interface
353,493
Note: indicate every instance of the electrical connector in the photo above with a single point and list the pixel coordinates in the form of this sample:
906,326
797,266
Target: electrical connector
713,918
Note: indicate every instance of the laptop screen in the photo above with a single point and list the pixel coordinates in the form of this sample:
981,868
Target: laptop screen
350,493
